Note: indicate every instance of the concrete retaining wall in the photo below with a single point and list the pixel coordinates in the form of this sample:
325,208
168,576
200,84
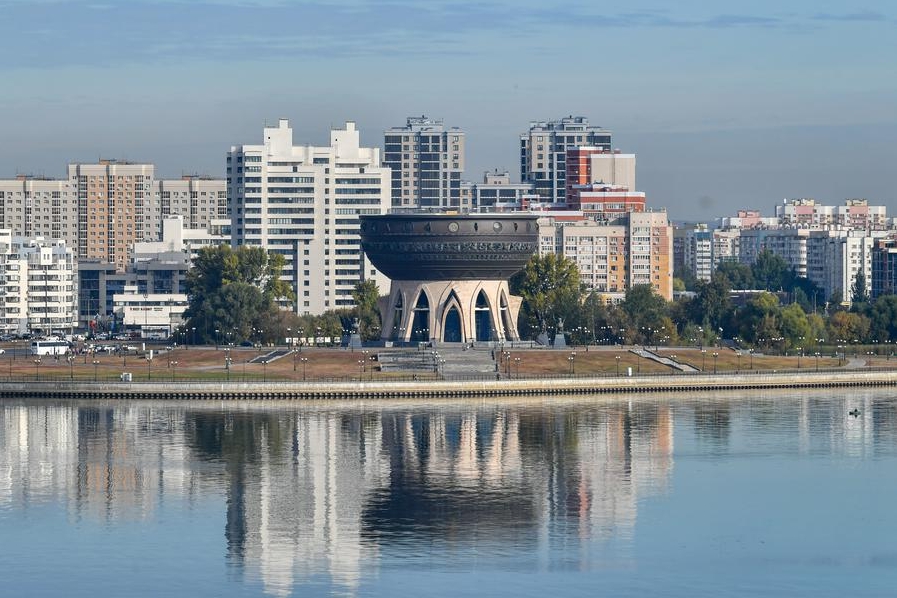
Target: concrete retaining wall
441,389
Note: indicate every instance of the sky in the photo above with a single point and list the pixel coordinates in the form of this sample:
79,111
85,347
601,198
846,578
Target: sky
727,105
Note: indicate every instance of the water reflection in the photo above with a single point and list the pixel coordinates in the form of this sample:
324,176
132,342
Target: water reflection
315,495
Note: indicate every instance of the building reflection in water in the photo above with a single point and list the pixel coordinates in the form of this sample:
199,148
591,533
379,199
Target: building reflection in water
314,494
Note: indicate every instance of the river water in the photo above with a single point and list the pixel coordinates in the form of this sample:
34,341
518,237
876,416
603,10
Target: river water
779,494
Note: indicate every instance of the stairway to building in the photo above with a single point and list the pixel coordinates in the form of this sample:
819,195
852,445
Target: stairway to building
449,360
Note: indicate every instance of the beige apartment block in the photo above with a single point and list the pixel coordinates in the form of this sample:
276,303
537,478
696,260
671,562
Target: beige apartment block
113,197
635,249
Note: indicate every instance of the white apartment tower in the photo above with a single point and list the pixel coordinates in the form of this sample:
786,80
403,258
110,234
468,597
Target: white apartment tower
303,202
426,160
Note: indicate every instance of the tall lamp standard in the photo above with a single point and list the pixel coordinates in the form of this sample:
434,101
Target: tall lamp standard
71,360
149,367
715,355
703,360
227,362
174,369
37,369
96,362
217,339
618,364
304,361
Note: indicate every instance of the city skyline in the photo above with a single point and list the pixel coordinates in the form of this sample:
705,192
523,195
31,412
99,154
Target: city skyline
726,107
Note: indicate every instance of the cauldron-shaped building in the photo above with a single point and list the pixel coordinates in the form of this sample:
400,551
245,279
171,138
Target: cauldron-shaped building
449,273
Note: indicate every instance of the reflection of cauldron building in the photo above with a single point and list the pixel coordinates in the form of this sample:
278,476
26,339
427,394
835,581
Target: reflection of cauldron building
450,273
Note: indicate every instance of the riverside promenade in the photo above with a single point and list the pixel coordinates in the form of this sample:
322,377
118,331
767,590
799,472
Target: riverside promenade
445,389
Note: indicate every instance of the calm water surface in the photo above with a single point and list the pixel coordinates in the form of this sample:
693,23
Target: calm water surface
731,495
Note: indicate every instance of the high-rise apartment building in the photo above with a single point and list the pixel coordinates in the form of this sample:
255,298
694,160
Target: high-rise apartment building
884,268
112,201
426,160
635,249
200,199
303,202
855,214
32,206
102,208
543,152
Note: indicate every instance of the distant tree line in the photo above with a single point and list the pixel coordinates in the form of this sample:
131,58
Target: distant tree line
802,318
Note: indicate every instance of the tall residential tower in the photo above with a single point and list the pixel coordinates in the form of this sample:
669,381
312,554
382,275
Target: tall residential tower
303,202
543,152
426,160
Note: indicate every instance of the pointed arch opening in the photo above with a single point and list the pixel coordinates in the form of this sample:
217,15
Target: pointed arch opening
482,318
398,319
451,331
420,324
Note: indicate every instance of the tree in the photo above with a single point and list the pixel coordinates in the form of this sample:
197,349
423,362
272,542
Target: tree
883,316
234,291
549,286
858,292
739,275
771,272
712,304
366,295
646,311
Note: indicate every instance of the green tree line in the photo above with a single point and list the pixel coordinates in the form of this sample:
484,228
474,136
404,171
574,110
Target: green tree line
788,313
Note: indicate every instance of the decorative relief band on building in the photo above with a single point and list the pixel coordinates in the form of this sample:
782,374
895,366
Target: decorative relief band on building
460,250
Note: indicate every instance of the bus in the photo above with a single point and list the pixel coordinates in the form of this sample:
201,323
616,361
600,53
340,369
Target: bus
49,347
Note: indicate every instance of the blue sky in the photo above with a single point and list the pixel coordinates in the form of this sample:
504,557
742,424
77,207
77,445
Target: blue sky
726,104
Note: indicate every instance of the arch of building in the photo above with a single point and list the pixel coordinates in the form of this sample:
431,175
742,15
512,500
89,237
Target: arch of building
459,311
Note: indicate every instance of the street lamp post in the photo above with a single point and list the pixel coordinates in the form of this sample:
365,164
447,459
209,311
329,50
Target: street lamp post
227,362
304,361
800,352
96,362
673,366
817,361
715,355
149,367
173,364
37,368
217,340
264,370
703,360
618,364
738,355
71,360
517,365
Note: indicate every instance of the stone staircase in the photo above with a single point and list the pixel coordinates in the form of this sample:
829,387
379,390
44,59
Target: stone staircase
449,360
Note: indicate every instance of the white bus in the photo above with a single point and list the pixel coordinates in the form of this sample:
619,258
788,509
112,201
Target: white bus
49,347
